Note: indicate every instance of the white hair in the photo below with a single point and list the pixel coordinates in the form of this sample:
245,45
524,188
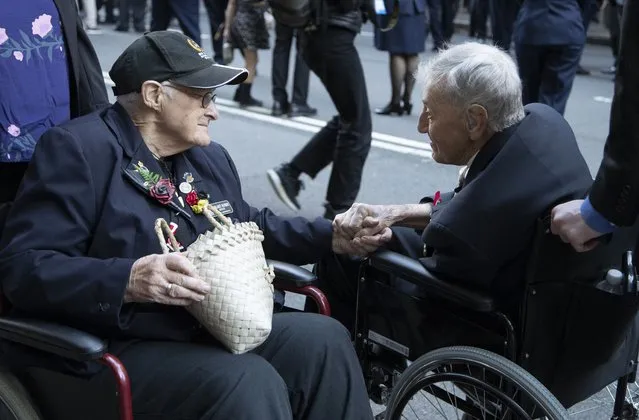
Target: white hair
473,73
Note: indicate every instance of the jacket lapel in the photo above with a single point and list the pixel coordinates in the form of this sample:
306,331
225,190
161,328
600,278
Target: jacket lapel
142,169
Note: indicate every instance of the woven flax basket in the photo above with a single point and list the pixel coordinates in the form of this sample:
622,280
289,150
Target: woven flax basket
239,309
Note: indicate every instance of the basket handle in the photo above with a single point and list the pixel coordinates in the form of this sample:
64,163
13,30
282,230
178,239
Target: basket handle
161,227
211,212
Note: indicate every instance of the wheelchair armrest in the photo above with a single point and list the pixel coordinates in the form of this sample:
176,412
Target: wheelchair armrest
52,338
291,275
412,270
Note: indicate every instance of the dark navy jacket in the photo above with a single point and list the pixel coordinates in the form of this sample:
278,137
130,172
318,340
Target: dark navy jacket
550,22
83,216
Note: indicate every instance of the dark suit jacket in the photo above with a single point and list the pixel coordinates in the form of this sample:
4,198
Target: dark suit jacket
615,192
88,92
550,22
83,216
482,236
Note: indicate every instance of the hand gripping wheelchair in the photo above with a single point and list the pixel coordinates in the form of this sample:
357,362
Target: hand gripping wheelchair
572,334
24,398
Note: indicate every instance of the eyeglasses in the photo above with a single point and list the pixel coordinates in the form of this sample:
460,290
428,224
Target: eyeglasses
207,98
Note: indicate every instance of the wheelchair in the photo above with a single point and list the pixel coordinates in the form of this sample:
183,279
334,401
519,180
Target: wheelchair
29,397
573,331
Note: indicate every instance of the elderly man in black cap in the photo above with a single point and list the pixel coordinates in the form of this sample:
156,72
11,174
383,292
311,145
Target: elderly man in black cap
80,248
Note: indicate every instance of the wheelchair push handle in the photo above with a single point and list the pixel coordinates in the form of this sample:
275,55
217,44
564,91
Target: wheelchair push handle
621,282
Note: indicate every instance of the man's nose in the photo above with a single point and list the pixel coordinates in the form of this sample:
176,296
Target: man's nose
211,111
422,125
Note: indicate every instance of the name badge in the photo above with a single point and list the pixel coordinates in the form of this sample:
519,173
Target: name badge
223,207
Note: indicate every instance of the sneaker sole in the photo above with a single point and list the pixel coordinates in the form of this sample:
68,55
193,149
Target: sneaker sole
276,183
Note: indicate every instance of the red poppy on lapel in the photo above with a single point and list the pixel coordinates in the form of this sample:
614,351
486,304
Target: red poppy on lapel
437,198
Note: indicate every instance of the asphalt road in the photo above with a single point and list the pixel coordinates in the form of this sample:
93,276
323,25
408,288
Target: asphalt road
399,168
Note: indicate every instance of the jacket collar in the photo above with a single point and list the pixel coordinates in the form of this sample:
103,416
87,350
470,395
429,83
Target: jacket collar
488,153
136,152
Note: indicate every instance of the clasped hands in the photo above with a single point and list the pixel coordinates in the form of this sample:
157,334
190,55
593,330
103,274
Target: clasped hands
362,229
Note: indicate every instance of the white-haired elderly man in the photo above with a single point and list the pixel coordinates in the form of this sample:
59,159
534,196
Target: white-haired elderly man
520,162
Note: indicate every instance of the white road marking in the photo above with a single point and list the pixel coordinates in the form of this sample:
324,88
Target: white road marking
603,99
311,125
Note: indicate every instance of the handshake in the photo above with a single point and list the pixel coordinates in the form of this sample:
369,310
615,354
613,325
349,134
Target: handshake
362,229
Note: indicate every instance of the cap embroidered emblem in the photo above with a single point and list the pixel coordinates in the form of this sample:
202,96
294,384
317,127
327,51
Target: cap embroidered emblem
194,45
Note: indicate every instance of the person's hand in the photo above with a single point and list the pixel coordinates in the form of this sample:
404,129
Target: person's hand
169,279
567,222
363,220
362,245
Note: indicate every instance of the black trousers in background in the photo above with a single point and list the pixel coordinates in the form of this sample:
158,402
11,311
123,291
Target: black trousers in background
503,14
478,18
547,73
346,139
187,13
215,9
135,9
11,175
279,74
306,369
435,24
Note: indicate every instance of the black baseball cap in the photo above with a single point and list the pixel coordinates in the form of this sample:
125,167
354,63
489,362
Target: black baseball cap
169,55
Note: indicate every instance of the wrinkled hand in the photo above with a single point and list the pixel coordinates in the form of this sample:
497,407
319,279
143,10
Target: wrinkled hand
567,222
169,279
360,246
363,220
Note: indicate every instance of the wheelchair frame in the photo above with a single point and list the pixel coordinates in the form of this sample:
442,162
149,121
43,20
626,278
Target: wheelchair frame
395,264
76,345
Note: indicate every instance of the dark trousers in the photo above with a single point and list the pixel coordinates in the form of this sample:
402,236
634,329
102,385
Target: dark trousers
478,18
187,13
279,73
612,19
215,10
11,175
346,139
435,22
135,8
547,73
503,14
306,369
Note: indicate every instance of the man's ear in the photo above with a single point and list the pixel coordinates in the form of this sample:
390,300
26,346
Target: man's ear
151,93
476,121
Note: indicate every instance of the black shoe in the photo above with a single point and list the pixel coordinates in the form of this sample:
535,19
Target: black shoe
582,71
408,107
244,97
331,211
286,185
302,110
279,109
120,28
390,109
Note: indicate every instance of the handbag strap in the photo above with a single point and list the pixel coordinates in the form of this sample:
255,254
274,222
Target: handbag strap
211,213
161,227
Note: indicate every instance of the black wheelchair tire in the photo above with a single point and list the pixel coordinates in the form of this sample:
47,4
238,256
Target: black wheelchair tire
514,373
16,398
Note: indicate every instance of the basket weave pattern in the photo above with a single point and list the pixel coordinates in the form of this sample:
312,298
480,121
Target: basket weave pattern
239,309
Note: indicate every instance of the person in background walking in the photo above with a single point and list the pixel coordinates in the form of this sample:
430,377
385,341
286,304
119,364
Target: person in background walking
612,18
346,139
187,13
279,75
478,19
404,43
549,39
245,28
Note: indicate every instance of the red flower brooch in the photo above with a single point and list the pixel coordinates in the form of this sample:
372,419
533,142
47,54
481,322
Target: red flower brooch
162,189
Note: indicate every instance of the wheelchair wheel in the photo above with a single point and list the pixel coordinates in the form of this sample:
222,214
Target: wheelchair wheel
470,383
15,402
